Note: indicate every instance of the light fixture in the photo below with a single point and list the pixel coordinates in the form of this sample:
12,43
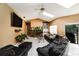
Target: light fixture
42,11
47,14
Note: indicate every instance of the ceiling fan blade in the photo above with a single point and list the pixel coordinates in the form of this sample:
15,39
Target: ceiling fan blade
37,9
40,7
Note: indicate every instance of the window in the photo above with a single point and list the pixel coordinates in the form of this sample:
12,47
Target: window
53,29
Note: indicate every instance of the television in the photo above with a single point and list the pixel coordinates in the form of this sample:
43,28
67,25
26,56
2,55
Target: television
16,21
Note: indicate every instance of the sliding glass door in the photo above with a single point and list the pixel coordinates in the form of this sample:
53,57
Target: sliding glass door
72,32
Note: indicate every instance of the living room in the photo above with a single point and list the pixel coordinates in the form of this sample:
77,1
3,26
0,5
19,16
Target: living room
34,24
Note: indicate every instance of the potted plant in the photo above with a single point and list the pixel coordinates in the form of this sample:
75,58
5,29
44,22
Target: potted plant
20,37
38,30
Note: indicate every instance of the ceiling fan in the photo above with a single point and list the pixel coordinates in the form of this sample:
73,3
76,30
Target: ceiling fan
42,10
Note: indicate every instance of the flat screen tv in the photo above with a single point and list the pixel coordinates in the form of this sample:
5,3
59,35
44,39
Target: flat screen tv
16,21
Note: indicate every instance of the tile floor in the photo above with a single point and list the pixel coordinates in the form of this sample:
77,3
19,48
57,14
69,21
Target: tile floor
35,44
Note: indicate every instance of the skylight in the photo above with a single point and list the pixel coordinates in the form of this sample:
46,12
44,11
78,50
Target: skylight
48,14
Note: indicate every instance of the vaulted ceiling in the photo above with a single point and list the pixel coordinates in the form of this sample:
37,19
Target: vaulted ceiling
28,10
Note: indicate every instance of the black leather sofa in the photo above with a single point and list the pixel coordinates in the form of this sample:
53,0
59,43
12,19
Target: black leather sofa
55,48
21,50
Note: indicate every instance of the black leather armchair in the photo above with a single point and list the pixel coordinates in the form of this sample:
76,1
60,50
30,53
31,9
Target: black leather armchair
21,50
